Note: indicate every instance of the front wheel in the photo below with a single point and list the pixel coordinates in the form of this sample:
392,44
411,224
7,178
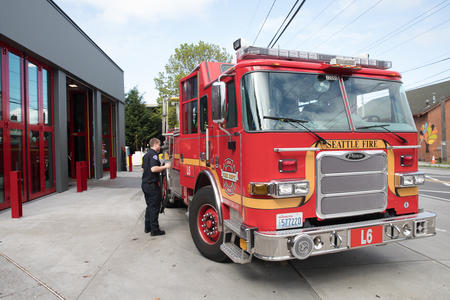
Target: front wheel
204,225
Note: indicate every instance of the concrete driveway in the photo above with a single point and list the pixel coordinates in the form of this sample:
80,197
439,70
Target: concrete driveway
91,245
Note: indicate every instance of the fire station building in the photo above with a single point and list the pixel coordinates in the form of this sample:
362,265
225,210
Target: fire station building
61,100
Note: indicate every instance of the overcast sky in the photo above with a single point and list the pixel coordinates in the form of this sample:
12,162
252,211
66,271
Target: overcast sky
140,35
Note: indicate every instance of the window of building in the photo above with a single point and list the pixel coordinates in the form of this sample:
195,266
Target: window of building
33,101
190,117
15,88
46,101
203,113
231,111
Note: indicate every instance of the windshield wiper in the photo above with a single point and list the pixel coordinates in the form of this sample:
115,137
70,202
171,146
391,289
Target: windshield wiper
300,122
384,127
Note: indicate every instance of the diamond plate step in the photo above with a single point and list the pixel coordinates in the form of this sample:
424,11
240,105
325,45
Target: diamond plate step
235,253
235,226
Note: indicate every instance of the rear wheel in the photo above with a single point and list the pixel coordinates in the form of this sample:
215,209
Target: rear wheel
204,225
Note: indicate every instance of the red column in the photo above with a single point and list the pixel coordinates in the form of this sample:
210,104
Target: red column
112,168
16,194
130,163
80,175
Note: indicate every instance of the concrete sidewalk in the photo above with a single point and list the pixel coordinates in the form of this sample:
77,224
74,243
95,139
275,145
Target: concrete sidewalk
64,240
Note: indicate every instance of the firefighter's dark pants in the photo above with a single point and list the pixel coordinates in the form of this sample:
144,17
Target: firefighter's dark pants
152,194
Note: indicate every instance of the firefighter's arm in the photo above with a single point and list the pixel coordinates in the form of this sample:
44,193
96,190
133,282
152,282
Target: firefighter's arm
156,169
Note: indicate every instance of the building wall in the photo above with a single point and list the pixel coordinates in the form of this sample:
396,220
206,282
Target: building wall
40,26
38,29
433,119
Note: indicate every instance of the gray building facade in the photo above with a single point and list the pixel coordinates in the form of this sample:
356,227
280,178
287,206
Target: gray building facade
62,100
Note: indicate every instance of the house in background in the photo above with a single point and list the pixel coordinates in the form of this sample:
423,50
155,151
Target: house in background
430,106
61,100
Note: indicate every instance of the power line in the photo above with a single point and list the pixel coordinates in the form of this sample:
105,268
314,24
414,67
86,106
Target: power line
416,36
253,17
430,83
331,20
404,27
290,20
345,26
313,19
431,76
264,21
292,8
426,65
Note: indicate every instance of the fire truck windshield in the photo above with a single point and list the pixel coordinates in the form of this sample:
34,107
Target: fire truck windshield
317,100
313,98
373,102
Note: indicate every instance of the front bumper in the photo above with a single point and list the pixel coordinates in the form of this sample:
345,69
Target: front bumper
279,245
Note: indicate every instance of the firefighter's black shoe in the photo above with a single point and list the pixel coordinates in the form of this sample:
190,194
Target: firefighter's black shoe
147,230
158,232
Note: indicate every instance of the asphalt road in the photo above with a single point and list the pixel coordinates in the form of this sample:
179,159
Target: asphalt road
437,184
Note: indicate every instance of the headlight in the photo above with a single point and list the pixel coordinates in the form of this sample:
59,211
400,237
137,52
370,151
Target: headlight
409,179
419,179
280,189
301,188
284,189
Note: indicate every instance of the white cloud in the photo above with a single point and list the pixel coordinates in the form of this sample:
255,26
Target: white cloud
119,11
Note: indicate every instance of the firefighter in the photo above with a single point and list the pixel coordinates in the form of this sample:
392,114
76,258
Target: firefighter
150,186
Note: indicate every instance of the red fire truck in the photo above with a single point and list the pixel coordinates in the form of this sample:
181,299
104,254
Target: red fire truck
290,154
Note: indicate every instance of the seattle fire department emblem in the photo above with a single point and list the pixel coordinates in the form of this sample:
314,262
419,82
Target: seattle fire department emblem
230,176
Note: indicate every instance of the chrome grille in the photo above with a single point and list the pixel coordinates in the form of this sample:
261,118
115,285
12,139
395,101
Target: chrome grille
347,186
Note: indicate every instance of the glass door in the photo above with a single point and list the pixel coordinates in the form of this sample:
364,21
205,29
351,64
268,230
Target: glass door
78,130
13,120
39,131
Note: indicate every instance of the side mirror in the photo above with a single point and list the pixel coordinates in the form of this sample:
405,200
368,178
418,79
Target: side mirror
218,101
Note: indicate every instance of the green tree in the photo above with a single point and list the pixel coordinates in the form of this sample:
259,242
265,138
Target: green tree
141,122
181,63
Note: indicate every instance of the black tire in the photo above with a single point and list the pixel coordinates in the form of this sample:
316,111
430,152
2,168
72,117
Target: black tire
204,198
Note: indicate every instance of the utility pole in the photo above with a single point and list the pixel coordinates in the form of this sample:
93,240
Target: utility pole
443,132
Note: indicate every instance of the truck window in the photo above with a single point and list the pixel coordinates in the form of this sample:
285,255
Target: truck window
231,112
313,98
374,102
190,88
203,113
190,117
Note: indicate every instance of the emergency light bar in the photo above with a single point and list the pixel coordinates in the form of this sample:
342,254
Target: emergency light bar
250,52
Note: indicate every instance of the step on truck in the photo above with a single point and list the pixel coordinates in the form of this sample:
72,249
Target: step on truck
291,154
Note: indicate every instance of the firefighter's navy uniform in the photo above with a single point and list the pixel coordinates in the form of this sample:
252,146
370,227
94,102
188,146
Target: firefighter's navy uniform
152,191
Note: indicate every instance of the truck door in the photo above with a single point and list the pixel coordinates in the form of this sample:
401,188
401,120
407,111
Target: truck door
204,129
228,163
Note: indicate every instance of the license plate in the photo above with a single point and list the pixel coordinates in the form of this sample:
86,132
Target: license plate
289,220
366,236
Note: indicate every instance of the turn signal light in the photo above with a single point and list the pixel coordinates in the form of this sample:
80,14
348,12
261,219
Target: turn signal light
258,189
287,165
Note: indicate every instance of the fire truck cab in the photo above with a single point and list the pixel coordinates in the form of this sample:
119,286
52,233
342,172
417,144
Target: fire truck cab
289,154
